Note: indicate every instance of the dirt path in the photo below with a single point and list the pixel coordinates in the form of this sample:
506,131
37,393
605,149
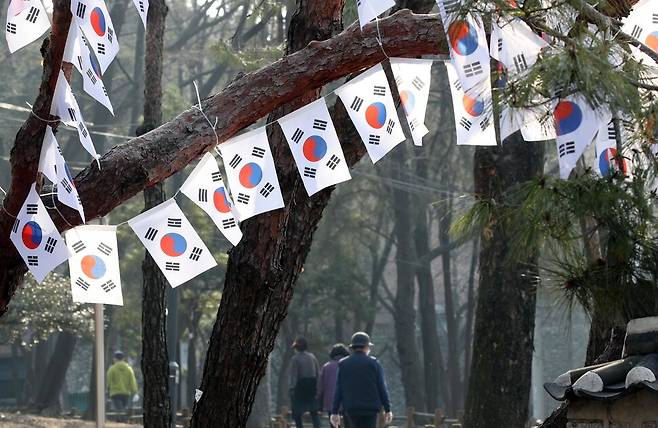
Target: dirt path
13,420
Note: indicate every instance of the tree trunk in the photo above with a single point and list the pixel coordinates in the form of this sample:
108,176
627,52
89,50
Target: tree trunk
47,399
260,415
155,364
470,313
499,385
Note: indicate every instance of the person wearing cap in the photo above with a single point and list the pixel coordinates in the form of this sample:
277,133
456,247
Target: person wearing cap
304,370
361,389
121,382
327,380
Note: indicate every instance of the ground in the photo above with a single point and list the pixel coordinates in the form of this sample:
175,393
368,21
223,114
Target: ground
13,420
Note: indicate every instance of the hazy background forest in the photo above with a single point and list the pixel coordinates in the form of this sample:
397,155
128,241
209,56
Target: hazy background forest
385,233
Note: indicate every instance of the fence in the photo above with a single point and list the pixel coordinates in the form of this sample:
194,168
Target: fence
411,419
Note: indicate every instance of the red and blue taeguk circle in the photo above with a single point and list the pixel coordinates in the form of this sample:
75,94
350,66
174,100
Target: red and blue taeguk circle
567,117
32,235
315,148
97,18
250,175
221,200
473,106
376,115
652,41
173,244
463,37
408,101
608,162
93,266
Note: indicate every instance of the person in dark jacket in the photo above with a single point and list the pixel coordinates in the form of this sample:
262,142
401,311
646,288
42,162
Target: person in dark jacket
361,389
327,380
304,370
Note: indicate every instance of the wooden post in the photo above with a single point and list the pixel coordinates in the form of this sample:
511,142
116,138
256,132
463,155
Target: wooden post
284,417
410,418
438,419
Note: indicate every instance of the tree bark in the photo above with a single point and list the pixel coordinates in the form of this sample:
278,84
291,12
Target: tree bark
129,168
500,375
47,399
155,364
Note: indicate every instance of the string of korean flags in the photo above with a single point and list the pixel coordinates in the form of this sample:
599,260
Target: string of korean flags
250,173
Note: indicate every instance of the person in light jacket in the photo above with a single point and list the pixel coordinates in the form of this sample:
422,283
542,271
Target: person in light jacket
304,371
327,380
361,390
121,383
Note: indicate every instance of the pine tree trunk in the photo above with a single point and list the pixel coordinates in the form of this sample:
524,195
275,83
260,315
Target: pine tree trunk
263,268
47,399
155,364
499,385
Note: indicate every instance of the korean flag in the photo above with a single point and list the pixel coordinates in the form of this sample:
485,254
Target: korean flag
54,167
468,43
36,238
535,123
77,52
143,9
413,78
314,144
66,107
371,9
94,265
370,105
27,20
576,125
473,111
606,162
642,24
251,174
515,45
172,242
94,19
206,188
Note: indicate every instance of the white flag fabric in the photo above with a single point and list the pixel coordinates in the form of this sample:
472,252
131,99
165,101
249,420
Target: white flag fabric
535,123
473,111
27,20
36,238
54,167
413,78
66,107
370,105
173,243
143,9
606,162
576,125
94,19
641,23
206,188
371,9
467,41
515,45
314,144
77,52
251,173
94,265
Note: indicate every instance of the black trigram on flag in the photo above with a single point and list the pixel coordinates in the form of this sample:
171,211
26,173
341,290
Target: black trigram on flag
357,104
105,249
11,28
258,152
195,255
466,123
567,148
80,11
390,126
174,222
92,76
104,90
374,139
637,31
50,244
413,124
320,124
72,115
83,130
379,91
216,176
66,185
229,223
172,266
520,63
297,136
16,224
266,190
333,162
151,234
628,125
141,6
473,69
33,260
310,172
32,209
110,34
418,83
243,198
458,85
203,195
101,48
32,15
612,135
484,124
82,284
235,161
108,286
500,45
451,6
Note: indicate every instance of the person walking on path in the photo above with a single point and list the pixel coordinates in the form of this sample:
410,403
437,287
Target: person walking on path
327,380
361,390
304,370
121,383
